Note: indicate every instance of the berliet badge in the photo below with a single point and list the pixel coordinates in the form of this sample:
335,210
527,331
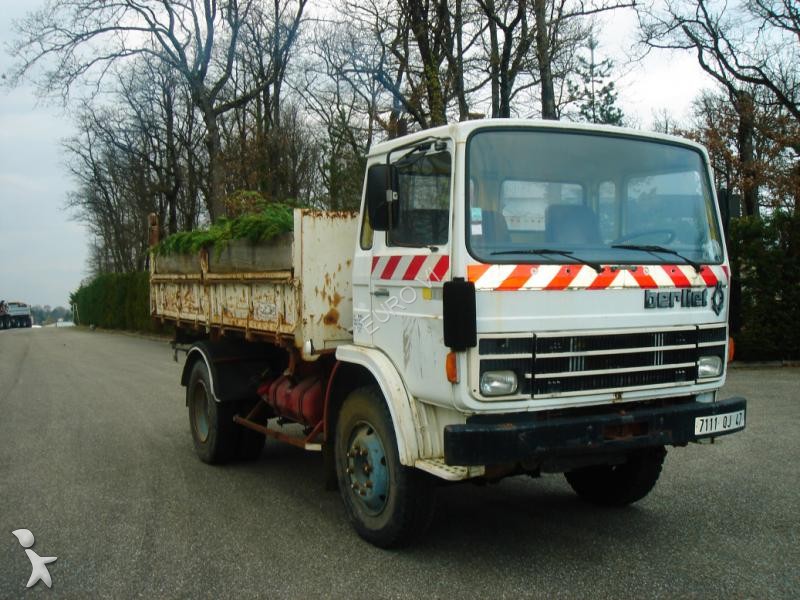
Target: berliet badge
685,298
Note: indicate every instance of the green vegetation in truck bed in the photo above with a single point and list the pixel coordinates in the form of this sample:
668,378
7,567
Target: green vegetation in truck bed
272,221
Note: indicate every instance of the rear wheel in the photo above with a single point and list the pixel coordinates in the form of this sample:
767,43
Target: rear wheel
387,503
211,422
619,485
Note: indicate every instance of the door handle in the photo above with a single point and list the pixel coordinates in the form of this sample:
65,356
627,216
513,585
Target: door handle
381,293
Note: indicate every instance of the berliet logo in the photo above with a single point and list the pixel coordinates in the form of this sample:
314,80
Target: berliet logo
38,563
686,298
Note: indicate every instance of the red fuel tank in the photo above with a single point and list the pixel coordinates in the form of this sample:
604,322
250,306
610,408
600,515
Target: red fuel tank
301,401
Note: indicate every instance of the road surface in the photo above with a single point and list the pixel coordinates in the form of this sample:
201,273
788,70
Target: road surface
97,461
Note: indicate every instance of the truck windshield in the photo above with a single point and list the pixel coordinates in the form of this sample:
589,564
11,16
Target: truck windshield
592,198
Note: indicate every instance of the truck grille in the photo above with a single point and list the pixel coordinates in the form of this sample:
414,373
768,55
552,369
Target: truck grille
549,365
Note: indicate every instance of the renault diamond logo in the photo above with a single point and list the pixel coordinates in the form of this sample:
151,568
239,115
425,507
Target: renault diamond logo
717,299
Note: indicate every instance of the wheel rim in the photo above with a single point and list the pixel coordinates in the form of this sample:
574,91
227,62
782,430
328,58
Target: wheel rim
367,469
200,411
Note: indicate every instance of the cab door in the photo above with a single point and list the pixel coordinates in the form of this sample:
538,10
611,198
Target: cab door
409,265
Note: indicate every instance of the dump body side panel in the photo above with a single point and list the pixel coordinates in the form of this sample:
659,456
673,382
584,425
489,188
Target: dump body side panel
296,286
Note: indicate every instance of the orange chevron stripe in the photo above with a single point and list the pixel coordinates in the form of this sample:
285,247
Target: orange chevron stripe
475,272
563,278
516,279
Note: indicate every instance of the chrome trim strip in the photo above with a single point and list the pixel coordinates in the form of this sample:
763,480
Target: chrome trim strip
664,367
616,351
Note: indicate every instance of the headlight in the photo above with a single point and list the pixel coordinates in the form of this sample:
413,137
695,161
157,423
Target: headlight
498,383
709,366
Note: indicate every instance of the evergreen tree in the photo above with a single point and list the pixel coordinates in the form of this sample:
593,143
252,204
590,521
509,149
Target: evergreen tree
594,93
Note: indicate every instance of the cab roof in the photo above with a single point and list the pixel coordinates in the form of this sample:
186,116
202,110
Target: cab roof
461,131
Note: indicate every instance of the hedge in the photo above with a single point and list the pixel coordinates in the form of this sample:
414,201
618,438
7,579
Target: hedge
115,301
765,261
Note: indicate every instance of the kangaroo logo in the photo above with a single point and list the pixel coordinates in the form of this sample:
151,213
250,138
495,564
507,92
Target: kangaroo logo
38,569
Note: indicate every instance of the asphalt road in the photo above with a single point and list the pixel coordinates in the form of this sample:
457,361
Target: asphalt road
96,460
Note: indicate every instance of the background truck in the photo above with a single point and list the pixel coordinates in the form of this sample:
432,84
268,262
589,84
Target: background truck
515,297
15,314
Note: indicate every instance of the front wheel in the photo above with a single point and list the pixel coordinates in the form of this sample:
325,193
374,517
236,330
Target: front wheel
619,485
387,503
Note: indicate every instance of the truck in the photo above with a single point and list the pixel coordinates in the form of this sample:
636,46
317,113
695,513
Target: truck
15,314
514,297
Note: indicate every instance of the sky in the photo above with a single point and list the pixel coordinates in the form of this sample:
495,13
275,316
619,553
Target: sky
43,250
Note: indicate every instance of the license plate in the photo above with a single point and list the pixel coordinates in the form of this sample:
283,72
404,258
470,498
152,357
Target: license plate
717,423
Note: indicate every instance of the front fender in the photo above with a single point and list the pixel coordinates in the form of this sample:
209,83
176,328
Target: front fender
402,406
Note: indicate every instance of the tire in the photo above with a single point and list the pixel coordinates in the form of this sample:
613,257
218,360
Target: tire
387,503
211,422
619,485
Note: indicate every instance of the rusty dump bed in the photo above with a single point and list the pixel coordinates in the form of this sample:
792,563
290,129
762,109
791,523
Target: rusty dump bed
296,287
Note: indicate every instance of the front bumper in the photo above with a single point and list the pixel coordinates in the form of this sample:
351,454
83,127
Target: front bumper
500,439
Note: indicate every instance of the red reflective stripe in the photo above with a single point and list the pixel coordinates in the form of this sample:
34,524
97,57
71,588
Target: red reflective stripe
604,279
475,272
414,266
563,278
375,260
440,270
516,279
708,276
727,272
643,279
391,265
677,276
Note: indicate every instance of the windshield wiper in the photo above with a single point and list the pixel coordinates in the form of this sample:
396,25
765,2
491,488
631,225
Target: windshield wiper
569,254
653,249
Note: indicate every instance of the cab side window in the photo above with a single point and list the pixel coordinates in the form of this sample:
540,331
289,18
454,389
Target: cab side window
424,192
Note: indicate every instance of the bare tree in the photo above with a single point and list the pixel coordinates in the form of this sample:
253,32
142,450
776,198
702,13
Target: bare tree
420,52
510,39
345,104
716,125
562,27
198,42
113,193
747,51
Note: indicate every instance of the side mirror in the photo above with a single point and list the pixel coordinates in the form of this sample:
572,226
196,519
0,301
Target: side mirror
459,314
381,181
